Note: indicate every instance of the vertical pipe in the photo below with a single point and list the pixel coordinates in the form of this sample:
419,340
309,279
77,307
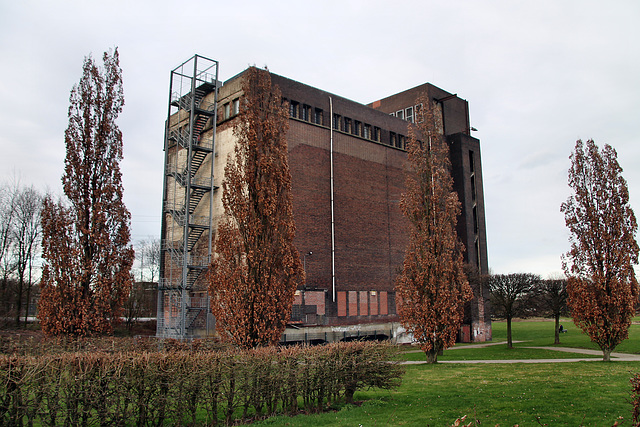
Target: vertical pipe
333,228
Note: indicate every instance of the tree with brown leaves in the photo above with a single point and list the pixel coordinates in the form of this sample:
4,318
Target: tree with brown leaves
432,287
256,268
602,285
86,274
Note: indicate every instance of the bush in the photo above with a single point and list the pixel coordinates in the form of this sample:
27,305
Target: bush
187,386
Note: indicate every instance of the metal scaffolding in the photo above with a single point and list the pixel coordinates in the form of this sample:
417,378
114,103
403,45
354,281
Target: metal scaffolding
187,223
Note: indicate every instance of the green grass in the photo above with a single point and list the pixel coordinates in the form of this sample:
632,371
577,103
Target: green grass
533,333
572,394
582,393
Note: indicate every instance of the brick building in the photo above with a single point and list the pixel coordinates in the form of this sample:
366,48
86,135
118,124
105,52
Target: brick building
347,164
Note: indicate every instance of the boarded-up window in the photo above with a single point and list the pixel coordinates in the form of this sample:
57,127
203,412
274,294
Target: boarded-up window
373,303
342,303
353,303
384,310
364,303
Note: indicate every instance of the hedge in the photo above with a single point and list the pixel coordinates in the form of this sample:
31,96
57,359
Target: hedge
188,387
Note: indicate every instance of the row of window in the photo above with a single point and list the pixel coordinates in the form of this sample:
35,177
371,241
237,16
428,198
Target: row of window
411,114
344,124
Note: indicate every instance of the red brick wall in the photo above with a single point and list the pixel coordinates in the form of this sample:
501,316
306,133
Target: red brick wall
370,231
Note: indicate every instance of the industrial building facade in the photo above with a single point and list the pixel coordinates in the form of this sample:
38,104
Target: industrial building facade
347,163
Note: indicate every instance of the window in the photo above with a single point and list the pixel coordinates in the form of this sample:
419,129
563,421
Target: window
471,165
376,134
357,129
227,111
392,139
367,131
347,125
401,141
392,114
473,188
337,121
400,114
236,106
305,113
293,109
475,220
408,114
317,116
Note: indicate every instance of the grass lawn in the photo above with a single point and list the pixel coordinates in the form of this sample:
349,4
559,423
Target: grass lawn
572,394
532,333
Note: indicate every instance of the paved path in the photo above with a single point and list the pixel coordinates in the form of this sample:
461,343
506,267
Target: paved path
623,357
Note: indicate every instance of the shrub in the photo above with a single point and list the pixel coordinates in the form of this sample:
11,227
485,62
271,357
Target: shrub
187,386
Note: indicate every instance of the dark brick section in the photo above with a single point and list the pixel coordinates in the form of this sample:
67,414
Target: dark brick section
371,235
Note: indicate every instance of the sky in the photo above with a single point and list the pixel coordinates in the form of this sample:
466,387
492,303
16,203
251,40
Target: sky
538,75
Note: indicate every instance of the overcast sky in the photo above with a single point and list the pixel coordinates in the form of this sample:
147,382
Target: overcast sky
538,75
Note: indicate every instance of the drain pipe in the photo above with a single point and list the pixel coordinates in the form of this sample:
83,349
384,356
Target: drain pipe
333,228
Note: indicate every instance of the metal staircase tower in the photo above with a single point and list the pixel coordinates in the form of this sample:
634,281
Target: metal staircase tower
187,205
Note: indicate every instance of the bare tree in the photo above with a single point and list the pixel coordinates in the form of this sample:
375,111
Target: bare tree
8,194
511,296
27,234
552,294
602,285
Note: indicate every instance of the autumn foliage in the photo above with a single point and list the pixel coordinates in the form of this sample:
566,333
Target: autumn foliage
601,285
85,245
432,287
256,268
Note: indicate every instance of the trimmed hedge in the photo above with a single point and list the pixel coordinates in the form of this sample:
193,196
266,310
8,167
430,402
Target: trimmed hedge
188,387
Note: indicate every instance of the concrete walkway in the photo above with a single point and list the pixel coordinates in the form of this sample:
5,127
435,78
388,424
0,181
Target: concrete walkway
623,357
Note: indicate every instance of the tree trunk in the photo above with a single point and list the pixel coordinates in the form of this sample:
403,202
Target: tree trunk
432,356
509,339
557,337
606,355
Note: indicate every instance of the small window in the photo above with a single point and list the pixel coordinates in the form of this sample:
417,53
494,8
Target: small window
347,125
337,121
400,114
471,165
317,116
401,141
305,113
392,114
408,114
293,109
357,129
376,134
236,106
392,139
227,110
473,188
367,131
475,220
